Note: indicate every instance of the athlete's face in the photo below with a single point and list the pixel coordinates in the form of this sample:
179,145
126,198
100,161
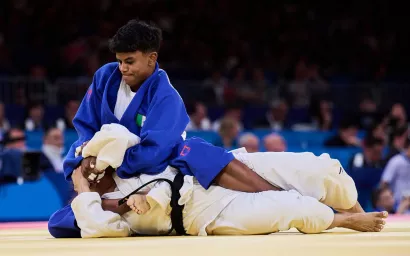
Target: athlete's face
136,66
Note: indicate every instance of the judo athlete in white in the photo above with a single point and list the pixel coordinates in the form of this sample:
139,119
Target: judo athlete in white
215,211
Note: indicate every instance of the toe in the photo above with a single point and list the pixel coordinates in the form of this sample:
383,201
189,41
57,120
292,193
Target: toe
380,221
130,202
382,214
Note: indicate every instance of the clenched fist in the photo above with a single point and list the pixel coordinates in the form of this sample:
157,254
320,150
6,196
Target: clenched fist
88,166
89,171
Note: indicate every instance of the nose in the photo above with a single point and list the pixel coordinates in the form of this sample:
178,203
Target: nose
123,67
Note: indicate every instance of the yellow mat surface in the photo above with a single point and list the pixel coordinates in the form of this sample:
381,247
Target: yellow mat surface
394,240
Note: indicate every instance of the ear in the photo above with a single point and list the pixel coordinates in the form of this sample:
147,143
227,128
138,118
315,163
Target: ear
153,56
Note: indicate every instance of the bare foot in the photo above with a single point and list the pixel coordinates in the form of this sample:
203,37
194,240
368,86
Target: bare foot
366,222
138,204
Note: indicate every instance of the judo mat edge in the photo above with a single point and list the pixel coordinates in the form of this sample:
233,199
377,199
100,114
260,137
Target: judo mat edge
24,238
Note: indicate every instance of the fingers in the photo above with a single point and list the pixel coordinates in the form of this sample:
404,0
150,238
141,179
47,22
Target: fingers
88,169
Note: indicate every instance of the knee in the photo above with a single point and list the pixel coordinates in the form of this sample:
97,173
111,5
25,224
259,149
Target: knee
350,194
341,191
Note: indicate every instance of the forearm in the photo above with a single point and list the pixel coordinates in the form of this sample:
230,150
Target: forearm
403,207
237,176
94,221
112,205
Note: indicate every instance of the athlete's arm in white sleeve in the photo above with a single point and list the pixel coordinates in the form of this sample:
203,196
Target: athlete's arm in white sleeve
94,221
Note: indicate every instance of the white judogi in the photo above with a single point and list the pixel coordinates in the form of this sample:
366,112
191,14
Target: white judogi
320,177
217,210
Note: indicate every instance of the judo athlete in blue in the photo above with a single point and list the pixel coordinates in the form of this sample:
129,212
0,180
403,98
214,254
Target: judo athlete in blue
137,94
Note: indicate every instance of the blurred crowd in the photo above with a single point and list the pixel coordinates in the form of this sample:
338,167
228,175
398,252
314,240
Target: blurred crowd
270,65
58,38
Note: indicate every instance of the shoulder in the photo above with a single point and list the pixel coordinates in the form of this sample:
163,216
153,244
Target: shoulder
396,160
104,73
106,70
163,86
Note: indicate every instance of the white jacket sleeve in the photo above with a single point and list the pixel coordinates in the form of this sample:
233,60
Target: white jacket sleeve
94,221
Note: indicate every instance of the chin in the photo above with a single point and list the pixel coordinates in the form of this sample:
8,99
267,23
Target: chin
129,82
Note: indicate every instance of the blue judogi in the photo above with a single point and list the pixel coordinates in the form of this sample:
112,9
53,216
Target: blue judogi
158,116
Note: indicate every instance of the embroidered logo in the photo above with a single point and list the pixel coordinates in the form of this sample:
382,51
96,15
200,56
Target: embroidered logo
185,150
89,92
140,119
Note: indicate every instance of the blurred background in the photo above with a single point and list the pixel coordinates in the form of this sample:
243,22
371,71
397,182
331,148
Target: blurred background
266,75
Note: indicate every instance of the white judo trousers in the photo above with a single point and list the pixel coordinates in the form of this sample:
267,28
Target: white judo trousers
320,177
219,211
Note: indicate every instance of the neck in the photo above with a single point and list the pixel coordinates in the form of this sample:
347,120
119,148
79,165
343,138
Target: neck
368,157
135,88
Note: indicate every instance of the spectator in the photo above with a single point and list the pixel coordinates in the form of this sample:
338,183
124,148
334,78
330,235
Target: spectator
259,85
276,117
397,117
368,113
274,143
396,175
322,115
306,83
250,142
372,155
34,120
346,136
383,200
198,115
14,139
228,132
53,149
379,130
4,123
232,112
214,88
11,155
298,88
398,141
242,87
251,92
66,123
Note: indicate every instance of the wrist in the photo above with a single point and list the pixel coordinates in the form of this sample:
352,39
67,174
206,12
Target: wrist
83,189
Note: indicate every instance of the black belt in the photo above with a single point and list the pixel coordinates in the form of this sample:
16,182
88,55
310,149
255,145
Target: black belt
176,212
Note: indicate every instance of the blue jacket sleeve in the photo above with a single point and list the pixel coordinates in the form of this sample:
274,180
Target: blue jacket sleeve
87,122
165,122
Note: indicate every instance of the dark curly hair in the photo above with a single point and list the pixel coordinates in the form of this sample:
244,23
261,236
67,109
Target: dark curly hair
134,36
